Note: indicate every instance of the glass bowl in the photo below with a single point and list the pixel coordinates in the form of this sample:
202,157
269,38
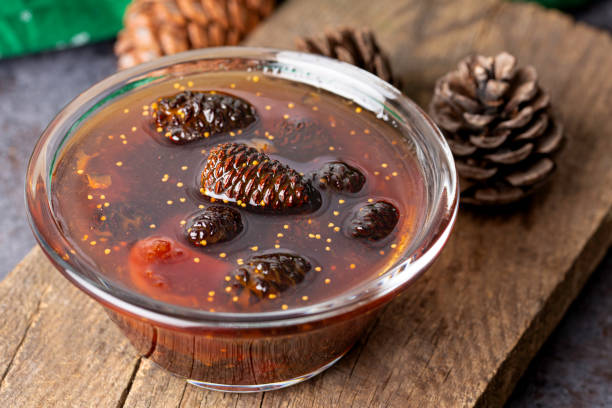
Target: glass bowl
250,351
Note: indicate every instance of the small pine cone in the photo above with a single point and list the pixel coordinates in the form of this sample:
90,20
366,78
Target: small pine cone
153,28
357,47
499,127
270,274
214,224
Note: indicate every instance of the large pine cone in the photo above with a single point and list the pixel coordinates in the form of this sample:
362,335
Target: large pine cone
355,46
240,174
499,127
161,27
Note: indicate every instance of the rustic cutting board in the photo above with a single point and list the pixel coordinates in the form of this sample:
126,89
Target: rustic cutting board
464,333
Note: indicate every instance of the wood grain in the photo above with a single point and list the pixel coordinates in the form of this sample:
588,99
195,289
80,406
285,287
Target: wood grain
61,347
464,333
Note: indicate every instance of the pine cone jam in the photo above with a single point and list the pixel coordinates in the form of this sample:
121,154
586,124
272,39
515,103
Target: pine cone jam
236,213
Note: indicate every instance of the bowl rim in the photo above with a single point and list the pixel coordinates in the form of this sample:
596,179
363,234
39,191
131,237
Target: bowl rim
376,291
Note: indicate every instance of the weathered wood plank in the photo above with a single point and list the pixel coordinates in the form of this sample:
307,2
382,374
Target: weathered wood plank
69,354
463,334
20,298
458,340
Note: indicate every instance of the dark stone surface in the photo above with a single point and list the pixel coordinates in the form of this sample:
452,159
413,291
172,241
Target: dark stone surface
598,14
573,369
33,90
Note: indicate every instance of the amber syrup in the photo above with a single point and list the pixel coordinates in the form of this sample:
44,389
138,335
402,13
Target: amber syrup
120,181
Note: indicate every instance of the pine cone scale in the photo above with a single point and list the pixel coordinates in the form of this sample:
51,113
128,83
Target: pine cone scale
475,172
535,129
460,101
477,121
460,148
365,41
318,46
487,141
495,90
342,54
193,11
217,11
237,15
173,40
198,36
521,119
216,35
524,90
511,156
169,12
541,102
504,66
552,140
381,65
532,175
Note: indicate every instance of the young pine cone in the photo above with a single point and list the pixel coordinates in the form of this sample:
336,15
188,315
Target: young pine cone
153,28
357,47
499,127
240,174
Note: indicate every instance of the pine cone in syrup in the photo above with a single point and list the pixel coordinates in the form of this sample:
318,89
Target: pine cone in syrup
241,174
189,116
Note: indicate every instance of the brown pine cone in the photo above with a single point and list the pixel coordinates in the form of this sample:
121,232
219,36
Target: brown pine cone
161,27
190,116
271,273
355,46
499,127
240,174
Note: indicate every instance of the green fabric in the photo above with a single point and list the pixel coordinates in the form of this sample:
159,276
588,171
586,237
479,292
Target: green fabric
33,25
561,4
28,26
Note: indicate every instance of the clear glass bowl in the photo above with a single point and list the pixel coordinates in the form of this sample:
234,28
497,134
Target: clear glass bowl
250,351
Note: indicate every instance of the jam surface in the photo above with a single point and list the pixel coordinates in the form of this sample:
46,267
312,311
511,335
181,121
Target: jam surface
130,199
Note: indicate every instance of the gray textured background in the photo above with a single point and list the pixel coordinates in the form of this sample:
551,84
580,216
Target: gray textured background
573,369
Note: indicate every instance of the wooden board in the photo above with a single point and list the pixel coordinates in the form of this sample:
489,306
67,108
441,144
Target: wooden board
464,333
